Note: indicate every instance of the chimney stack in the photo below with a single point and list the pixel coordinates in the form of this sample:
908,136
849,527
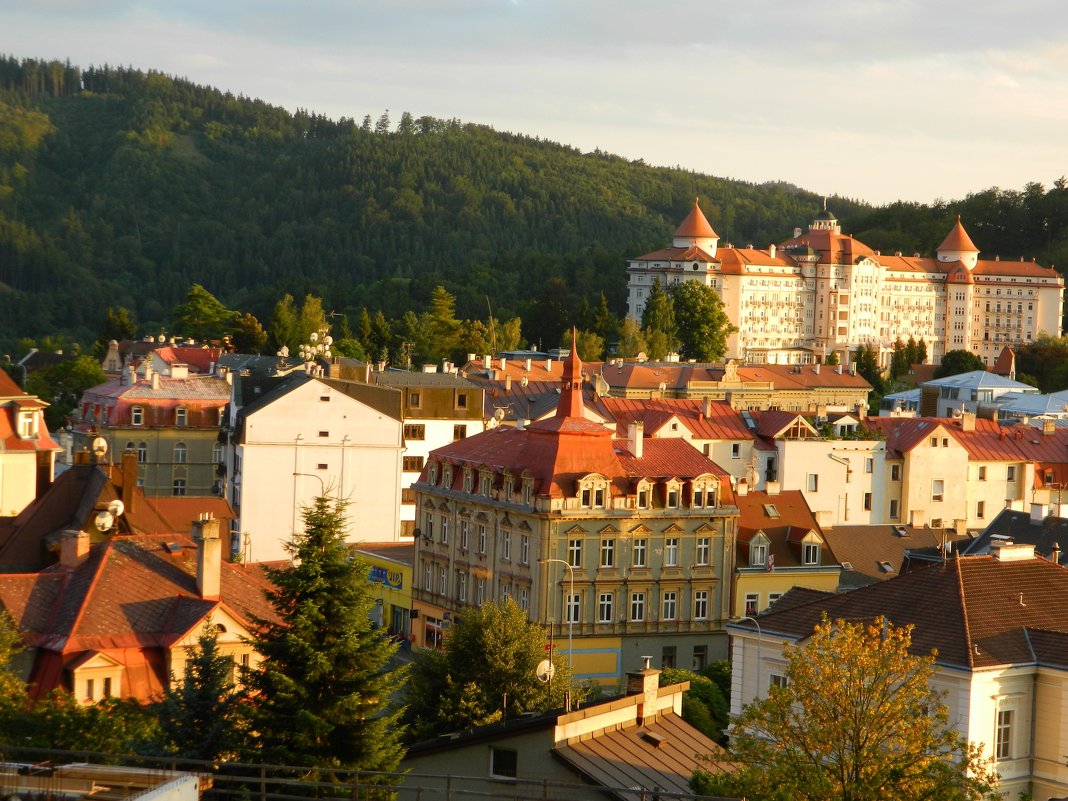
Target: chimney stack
129,480
1049,427
1055,553
507,383
967,421
73,548
636,437
209,556
646,683
707,411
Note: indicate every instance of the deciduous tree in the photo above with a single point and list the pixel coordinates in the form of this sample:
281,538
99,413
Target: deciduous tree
956,362
485,672
701,325
857,720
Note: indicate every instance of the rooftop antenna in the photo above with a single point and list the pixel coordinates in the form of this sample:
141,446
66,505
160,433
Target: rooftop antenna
492,327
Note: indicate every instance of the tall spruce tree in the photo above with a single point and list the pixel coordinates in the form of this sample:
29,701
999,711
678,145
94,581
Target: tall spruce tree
321,695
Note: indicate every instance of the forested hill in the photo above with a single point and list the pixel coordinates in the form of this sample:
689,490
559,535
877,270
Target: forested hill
122,188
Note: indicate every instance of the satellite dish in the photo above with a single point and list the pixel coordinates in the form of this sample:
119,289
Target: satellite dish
100,447
545,670
104,521
116,508
524,381
499,413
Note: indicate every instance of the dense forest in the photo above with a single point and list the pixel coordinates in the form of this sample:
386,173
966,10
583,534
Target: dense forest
121,188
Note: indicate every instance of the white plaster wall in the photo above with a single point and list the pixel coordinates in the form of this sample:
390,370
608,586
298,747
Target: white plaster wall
922,465
18,481
365,469
836,501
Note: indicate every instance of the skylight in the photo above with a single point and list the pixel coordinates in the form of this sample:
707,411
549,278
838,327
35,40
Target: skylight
771,511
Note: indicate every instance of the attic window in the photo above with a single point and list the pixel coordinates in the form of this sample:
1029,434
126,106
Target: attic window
172,548
771,511
886,567
324,398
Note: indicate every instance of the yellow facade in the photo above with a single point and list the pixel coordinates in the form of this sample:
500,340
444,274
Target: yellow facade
767,586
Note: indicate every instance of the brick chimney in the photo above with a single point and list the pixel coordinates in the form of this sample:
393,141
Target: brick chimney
707,410
73,548
1049,427
646,683
967,421
209,556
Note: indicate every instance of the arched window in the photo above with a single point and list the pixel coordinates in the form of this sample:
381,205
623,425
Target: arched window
180,453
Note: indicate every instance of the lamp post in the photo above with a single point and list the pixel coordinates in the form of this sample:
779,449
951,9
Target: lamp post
322,484
567,606
760,645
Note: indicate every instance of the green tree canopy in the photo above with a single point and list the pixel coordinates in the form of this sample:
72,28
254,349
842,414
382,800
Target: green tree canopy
956,362
701,324
321,695
202,316
62,386
487,665
856,720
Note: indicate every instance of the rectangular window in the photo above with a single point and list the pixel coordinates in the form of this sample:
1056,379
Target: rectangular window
429,533
638,553
459,431
637,606
181,416
643,498
777,680
752,603
700,605
895,472
415,431
574,552
813,482
667,656
524,598
414,400
758,554
934,442
90,689
324,434
1003,735
894,512
585,497
980,509
573,606
700,658
179,486
773,597
412,464
506,545
867,501
481,592
670,606
869,465
982,472
938,489
736,450
524,549
481,539
443,582
504,762
461,400
107,687
608,553
810,553
704,551
444,530
605,602
137,416
1010,473
698,496
428,576
671,552
465,528
673,498
462,590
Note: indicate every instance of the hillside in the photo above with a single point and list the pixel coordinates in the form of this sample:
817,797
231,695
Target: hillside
119,187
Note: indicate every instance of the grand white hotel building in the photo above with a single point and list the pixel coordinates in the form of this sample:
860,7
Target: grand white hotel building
824,291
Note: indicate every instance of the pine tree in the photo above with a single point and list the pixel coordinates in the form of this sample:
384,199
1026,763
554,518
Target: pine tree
199,716
321,695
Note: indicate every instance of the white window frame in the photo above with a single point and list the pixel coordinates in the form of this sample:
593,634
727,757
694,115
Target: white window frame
573,610
606,607
637,607
703,553
671,552
608,552
670,605
700,605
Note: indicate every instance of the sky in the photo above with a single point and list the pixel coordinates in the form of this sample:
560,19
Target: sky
877,100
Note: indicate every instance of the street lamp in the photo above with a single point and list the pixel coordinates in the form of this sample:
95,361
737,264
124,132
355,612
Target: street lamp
322,484
567,606
760,645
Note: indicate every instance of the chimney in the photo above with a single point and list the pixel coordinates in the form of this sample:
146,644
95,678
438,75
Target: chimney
742,488
504,363
773,488
528,365
771,250
470,357
1049,427
918,518
1039,512
129,376
960,526
548,365
706,412
149,372
209,556
1055,553
507,383
816,369
967,421
129,480
155,381
646,683
1012,551
636,437
73,548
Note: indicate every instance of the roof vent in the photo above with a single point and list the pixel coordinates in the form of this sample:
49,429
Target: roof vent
1012,551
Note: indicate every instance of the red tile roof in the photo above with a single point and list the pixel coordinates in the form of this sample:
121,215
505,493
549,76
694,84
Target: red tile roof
8,387
200,360
690,253
989,442
722,422
785,531
958,239
695,224
977,611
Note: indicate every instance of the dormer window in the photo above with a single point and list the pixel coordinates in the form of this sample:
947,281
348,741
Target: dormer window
181,416
758,551
593,491
672,495
704,493
645,495
485,482
432,473
810,553
528,491
137,416
27,424
446,475
469,480
509,488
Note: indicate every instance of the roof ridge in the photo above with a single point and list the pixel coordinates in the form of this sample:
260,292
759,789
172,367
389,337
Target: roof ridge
83,604
966,622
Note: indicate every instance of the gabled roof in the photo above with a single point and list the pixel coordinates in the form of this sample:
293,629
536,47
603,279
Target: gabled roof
1013,526
977,611
989,442
785,519
689,253
722,422
199,359
878,552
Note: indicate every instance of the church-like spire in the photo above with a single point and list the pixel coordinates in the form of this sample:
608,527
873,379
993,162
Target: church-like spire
571,404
